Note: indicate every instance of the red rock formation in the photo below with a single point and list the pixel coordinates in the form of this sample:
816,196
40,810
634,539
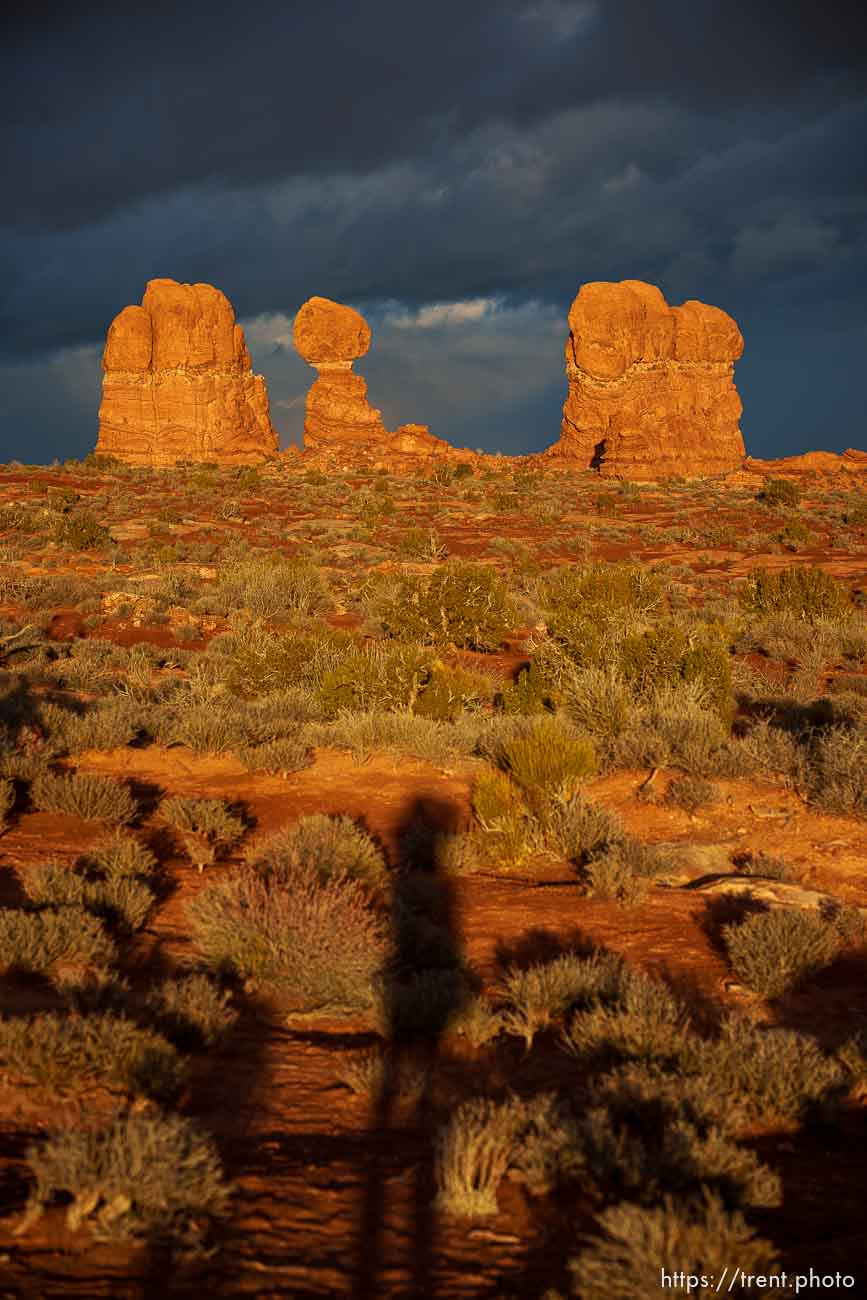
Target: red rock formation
179,385
651,388
810,462
339,418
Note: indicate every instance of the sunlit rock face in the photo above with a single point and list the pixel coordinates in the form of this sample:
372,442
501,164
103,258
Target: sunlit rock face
178,383
651,387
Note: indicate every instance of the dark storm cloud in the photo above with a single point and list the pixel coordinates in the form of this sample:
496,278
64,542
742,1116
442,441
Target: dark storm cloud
102,107
395,155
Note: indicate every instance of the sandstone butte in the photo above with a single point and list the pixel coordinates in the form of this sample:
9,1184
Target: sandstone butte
651,387
178,383
339,419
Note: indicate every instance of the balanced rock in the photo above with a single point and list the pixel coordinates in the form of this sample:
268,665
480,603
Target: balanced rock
330,336
651,387
178,383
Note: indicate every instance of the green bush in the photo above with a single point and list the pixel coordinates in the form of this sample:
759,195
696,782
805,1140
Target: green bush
448,692
665,655
37,941
261,662
315,940
809,593
92,798
547,762
780,492
377,677
141,1176
80,531
584,605
208,827
325,845
527,694
773,952
71,1053
461,603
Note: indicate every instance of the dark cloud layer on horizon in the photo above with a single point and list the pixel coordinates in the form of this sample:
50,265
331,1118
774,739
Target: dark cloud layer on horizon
395,156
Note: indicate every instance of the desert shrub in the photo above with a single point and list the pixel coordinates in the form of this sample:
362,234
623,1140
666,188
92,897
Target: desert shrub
780,492
123,855
809,593
108,726
122,901
376,1074
585,605
502,814
856,515
697,1238
71,1053
192,1011
837,775
612,878
691,793
853,1056
259,662
641,1021
674,728
461,603
271,586
472,1156
424,1005
80,530
422,544
37,941
321,844
284,934
527,694
599,702
774,1075
774,951
208,827
547,762
141,1176
92,798
638,1144
7,799
284,755
447,692
477,1021
377,677
542,993
666,655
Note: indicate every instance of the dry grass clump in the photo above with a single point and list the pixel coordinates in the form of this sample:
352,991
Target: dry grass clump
639,1019
691,793
72,1053
37,941
141,1176
376,1073
284,755
774,951
473,1152
270,586
192,1010
699,1238
209,828
537,996
322,844
282,933
122,854
122,901
93,798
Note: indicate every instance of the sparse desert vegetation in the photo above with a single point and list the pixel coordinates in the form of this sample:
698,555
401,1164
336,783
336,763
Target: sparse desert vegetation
481,808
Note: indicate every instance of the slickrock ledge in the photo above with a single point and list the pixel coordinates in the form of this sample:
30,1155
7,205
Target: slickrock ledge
178,383
651,387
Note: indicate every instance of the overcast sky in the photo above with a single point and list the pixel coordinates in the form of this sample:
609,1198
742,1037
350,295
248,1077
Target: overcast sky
455,171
